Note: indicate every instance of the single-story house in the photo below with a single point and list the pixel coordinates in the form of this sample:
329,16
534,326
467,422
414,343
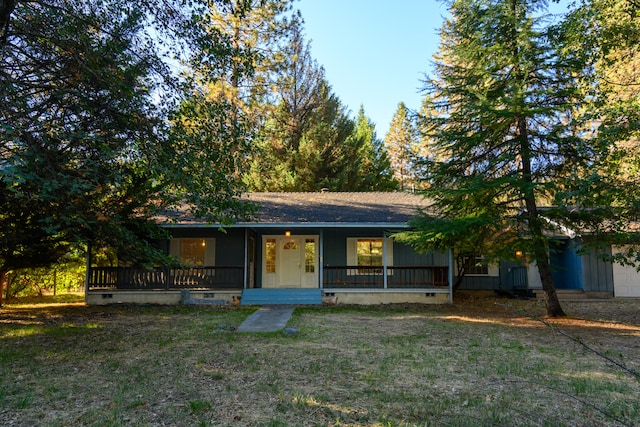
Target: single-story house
303,247
300,248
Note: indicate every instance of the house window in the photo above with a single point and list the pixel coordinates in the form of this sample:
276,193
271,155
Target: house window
194,252
271,255
369,252
309,256
476,266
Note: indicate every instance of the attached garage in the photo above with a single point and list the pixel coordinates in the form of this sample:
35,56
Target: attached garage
626,279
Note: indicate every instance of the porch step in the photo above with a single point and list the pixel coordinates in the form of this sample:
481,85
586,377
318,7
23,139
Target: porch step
281,296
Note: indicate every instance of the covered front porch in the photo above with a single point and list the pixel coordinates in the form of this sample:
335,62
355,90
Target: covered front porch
340,244
228,284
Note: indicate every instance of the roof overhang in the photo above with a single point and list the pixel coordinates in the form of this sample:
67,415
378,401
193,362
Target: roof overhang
292,225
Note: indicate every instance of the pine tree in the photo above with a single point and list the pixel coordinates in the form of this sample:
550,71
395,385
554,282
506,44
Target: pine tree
401,142
273,166
309,142
257,33
503,147
603,34
85,96
76,84
374,172
426,149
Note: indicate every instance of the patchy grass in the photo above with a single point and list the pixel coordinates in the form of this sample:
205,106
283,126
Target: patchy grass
479,362
40,301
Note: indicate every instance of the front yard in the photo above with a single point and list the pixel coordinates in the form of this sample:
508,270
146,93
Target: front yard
479,362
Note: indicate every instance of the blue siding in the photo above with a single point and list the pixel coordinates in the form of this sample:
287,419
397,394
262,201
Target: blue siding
404,255
335,249
513,276
597,273
479,283
230,247
335,243
566,266
229,244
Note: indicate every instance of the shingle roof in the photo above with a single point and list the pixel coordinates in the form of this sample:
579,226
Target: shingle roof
336,207
327,208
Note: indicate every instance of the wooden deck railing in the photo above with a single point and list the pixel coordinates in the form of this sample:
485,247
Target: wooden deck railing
397,277
124,278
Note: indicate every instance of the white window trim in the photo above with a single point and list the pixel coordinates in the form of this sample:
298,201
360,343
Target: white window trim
492,271
352,254
209,254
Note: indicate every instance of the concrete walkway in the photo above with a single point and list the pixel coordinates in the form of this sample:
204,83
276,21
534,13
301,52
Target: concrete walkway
268,318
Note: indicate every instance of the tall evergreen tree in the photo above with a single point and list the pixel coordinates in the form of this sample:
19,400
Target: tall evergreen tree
374,172
257,33
274,168
85,151
401,143
605,35
76,83
325,152
503,95
424,156
309,142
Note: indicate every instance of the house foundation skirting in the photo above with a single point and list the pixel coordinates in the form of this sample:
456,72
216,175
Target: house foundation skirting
388,296
342,296
176,297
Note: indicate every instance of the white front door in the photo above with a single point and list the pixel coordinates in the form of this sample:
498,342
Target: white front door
290,262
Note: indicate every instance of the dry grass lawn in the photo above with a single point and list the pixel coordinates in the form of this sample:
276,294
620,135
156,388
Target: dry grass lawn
480,362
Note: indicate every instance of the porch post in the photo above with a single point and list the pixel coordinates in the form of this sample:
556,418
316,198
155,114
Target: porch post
384,260
88,273
450,274
321,257
245,271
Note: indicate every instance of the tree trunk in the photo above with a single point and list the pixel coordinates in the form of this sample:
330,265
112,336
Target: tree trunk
540,251
550,295
541,254
6,9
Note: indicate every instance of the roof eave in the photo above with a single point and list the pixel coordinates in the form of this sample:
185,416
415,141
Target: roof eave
292,225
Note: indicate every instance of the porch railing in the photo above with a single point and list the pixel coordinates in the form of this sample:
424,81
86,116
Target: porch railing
397,277
125,278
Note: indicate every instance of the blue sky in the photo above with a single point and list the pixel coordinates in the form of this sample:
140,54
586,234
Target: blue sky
375,52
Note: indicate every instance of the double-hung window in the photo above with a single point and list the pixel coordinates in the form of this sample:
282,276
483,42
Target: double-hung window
477,265
368,253
194,252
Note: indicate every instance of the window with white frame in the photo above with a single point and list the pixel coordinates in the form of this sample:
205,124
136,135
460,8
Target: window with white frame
194,252
477,265
309,255
367,252
270,255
